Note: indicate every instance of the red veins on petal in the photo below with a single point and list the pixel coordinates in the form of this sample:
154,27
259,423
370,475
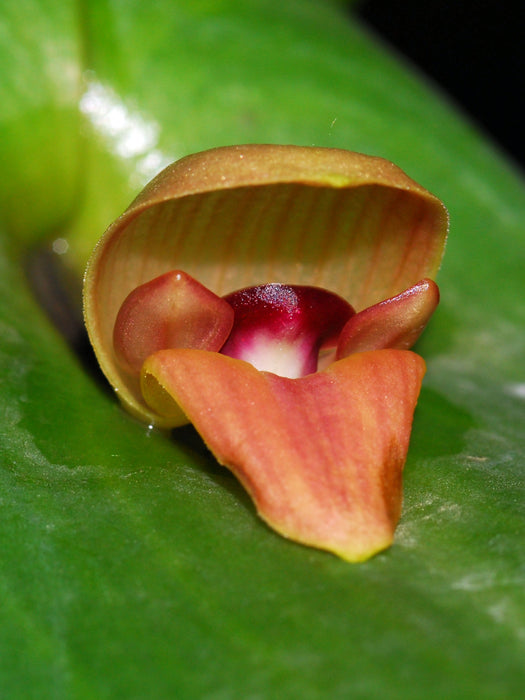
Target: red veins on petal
281,328
321,456
173,310
394,323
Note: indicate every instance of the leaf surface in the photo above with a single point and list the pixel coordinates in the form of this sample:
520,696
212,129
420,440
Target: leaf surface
132,565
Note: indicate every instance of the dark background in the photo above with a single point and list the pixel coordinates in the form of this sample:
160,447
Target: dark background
473,50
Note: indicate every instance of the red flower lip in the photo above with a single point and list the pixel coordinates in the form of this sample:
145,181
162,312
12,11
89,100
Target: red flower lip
281,328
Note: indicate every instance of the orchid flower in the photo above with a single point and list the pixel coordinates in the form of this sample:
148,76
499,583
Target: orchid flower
269,295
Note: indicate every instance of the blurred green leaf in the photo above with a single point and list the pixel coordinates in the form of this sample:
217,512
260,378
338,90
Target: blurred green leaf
132,565
40,55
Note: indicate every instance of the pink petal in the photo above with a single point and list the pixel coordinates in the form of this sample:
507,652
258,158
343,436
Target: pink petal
394,323
171,311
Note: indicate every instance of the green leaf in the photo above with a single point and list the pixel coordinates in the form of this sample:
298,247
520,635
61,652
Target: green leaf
132,565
